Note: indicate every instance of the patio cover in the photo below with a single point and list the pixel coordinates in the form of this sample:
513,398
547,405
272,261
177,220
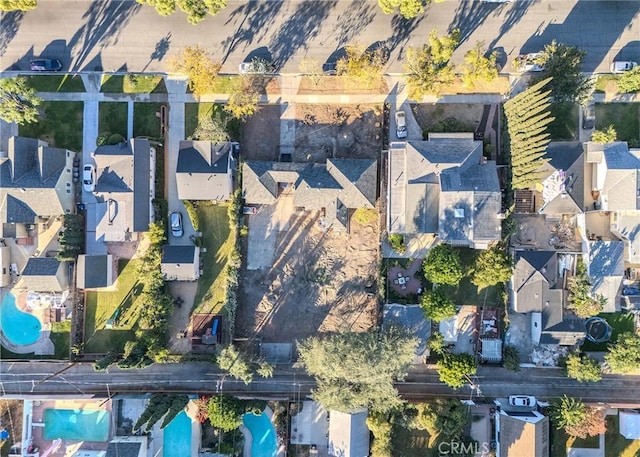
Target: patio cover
449,329
491,349
630,425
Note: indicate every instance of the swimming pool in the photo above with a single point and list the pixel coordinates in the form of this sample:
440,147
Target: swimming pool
176,440
19,328
76,424
263,435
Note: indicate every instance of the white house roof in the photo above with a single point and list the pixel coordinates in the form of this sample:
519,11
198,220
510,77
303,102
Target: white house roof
348,434
630,424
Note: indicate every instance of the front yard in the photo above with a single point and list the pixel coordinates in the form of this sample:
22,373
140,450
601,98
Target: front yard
60,124
145,120
56,83
195,113
101,307
113,118
565,125
625,117
133,83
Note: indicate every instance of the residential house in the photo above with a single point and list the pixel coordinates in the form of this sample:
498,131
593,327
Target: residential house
44,274
629,424
180,263
124,190
522,433
94,271
538,286
310,426
36,184
348,434
205,170
126,446
336,187
444,186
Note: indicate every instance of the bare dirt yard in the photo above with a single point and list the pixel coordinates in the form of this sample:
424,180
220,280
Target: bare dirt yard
261,134
339,131
448,117
319,282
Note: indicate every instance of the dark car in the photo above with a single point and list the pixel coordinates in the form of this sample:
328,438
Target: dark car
46,65
588,117
330,68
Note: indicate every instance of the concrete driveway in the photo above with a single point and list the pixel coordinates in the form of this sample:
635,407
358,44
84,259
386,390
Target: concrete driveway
264,229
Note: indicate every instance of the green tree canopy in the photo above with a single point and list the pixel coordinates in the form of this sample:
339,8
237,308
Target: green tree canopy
429,68
492,266
478,66
244,97
18,5
225,412
436,343
608,135
18,101
576,419
408,8
629,81
511,357
455,369
581,300
446,417
528,116
355,370
380,426
437,305
583,368
201,70
196,10
167,405
442,266
624,355
236,363
362,65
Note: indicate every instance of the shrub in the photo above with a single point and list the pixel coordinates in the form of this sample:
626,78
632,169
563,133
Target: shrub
396,241
192,212
511,358
442,266
115,138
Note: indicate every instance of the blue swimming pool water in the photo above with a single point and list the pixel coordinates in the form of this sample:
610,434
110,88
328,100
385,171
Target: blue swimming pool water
263,434
19,328
76,425
176,441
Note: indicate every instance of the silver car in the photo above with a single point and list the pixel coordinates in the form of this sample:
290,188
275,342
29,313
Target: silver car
257,66
619,66
175,221
89,178
401,125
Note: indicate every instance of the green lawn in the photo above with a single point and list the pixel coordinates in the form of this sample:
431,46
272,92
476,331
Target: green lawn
56,83
60,125
625,117
616,444
218,241
560,441
196,112
221,85
101,306
468,294
113,118
131,84
605,82
412,443
145,121
565,124
619,322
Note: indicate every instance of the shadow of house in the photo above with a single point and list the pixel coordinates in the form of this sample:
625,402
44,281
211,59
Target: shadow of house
36,185
445,187
205,171
123,190
335,188
538,287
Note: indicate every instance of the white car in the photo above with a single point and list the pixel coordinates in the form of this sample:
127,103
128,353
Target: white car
529,62
89,178
619,66
522,400
401,125
257,66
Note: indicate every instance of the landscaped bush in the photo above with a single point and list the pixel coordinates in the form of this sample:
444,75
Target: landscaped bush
72,238
193,214
511,358
396,241
116,138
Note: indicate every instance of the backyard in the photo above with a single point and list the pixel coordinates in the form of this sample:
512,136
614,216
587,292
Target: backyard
625,117
59,336
620,323
217,239
60,124
101,307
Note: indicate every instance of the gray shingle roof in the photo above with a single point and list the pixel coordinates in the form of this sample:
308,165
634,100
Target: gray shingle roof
93,271
44,274
535,272
120,449
178,254
204,170
180,263
568,157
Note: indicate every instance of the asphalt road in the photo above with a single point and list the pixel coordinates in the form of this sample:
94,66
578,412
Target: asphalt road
47,378
126,36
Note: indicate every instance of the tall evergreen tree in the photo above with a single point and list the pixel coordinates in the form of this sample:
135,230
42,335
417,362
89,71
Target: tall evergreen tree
527,118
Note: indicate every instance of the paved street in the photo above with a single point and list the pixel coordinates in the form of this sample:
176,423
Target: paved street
127,36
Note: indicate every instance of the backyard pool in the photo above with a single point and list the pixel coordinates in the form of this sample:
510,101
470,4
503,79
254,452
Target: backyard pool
76,424
19,328
176,438
263,435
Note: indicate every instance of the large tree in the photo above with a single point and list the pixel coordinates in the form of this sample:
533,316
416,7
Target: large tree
201,70
244,97
583,368
225,412
563,64
18,101
429,68
408,8
437,305
527,118
236,363
355,370
581,299
577,419
362,65
442,266
629,81
455,370
492,266
447,417
18,5
624,355
196,10
478,66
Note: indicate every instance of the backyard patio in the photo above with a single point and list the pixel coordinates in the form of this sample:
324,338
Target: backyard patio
403,281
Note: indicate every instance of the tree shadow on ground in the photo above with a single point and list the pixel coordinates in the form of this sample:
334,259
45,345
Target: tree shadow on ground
353,21
9,26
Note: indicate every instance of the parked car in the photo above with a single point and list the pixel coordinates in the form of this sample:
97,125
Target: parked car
46,65
330,68
175,221
522,400
620,66
256,66
529,62
588,117
89,178
401,124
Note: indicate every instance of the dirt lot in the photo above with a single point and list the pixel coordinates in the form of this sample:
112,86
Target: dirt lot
320,282
341,131
261,134
460,116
